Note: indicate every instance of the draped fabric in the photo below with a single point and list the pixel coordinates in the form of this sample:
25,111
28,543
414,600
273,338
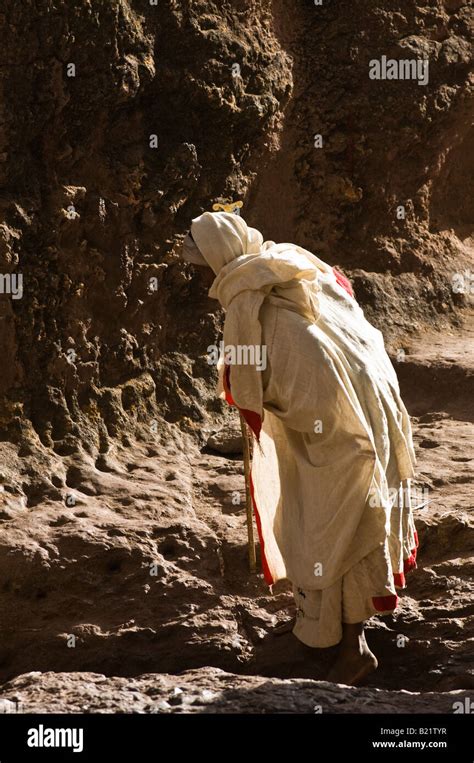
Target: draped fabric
334,459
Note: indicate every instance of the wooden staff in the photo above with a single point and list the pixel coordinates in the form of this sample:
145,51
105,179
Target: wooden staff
248,497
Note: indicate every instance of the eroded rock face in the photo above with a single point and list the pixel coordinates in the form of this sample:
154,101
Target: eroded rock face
123,543
136,122
390,192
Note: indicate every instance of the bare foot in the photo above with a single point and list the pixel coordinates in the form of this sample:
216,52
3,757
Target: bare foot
352,666
285,627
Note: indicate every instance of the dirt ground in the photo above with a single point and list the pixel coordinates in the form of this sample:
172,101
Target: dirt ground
148,570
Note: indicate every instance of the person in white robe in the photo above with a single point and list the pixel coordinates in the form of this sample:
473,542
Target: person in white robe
333,455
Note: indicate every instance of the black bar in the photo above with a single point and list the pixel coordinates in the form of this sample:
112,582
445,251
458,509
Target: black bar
155,737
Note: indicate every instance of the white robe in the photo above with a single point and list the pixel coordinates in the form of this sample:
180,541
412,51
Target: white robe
335,436
333,376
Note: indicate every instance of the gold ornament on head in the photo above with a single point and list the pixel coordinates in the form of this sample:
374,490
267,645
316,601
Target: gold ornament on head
228,206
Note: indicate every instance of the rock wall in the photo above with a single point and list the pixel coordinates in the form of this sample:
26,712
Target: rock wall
386,145
133,123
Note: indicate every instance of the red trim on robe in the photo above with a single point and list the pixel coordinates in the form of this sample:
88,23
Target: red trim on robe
344,282
255,423
399,579
385,603
226,382
252,418
408,565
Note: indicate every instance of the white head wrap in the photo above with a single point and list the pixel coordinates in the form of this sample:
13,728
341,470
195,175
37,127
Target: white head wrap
248,270
224,236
